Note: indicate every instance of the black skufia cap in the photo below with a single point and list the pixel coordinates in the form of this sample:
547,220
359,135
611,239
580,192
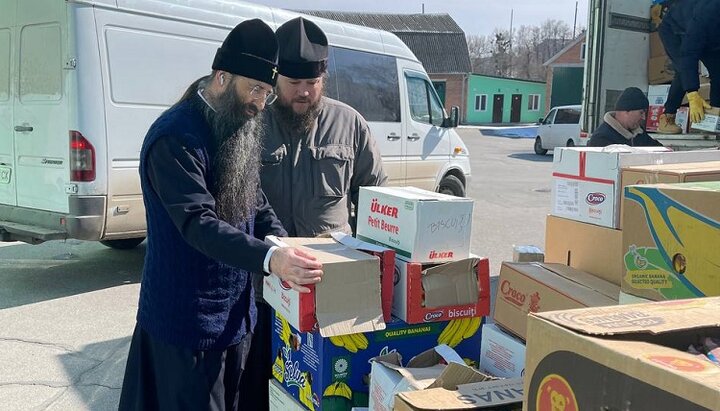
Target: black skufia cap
250,50
632,98
303,49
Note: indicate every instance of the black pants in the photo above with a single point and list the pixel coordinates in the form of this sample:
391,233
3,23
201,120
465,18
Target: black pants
711,60
160,376
258,372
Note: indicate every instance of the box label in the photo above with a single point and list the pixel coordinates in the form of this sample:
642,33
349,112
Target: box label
567,197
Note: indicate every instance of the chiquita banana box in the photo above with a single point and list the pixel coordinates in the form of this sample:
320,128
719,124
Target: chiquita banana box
333,374
671,240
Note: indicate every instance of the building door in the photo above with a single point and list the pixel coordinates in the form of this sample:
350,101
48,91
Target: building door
498,102
516,108
440,88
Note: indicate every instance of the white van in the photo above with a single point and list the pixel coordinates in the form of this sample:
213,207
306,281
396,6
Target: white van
82,80
559,128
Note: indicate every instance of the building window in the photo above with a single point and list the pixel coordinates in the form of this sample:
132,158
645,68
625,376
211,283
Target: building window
582,51
481,102
534,102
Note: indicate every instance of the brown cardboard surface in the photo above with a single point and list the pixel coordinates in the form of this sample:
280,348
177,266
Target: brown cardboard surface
587,247
668,173
678,224
536,287
468,396
347,300
636,351
660,70
656,46
451,283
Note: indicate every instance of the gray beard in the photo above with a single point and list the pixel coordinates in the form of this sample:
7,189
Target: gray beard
236,162
297,123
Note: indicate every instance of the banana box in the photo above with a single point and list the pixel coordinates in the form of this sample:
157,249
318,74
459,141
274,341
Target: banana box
333,373
441,292
671,240
624,357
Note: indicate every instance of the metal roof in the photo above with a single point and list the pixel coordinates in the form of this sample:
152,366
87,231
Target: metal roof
436,39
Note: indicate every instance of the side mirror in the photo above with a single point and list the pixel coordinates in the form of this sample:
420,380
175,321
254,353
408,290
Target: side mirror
453,120
541,121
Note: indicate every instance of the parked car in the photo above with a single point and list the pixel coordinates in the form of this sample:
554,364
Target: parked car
560,128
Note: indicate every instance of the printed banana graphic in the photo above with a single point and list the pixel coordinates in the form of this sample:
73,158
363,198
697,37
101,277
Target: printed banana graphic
351,342
285,329
458,330
306,397
278,368
338,389
686,239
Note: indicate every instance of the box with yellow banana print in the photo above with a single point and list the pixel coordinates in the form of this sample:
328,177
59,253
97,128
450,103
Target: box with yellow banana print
671,240
331,374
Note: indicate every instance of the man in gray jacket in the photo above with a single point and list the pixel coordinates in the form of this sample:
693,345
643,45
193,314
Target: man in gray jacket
317,153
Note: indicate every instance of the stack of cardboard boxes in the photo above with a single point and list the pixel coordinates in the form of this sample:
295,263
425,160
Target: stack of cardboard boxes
412,260
646,220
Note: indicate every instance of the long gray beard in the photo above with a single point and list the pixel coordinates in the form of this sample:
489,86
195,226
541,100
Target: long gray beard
236,165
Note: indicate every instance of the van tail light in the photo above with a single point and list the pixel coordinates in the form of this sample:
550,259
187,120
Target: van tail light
82,158
583,135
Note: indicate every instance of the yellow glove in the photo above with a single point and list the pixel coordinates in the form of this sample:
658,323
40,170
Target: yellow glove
697,106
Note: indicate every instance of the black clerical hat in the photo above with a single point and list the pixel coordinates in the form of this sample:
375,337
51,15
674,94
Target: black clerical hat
303,49
250,50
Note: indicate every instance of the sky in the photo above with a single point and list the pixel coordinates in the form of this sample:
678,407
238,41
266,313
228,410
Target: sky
473,16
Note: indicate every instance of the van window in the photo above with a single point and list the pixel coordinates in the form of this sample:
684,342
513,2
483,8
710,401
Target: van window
368,82
424,105
40,63
567,116
4,65
550,117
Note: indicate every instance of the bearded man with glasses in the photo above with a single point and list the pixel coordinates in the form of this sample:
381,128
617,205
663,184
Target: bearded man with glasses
207,218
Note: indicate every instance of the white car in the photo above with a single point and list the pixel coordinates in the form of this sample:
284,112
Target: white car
560,128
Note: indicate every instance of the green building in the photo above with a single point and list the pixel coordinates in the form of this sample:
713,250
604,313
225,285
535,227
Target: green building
504,100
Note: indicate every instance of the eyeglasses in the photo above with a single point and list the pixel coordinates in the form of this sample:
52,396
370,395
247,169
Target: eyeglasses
258,93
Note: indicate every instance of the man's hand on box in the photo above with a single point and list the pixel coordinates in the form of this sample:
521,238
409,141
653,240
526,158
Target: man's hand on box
296,268
697,106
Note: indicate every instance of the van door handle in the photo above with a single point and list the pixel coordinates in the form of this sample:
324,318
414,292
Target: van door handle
23,129
393,137
413,137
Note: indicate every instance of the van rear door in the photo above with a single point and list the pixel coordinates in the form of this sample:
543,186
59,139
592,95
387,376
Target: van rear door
40,105
617,54
7,152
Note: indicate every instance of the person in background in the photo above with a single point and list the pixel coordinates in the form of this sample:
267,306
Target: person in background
690,34
317,153
207,218
625,124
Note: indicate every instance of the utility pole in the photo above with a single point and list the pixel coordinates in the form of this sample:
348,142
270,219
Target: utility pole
512,11
575,21
423,8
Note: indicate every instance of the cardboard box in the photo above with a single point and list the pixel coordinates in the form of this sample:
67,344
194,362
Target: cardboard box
426,384
494,281
671,240
623,357
711,122
280,400
527,254
346,301
536,287
501,354
626,299
421,226
587,247
652,122
669,173
441,292
327,374
657,49
586,180
660,70
658,94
